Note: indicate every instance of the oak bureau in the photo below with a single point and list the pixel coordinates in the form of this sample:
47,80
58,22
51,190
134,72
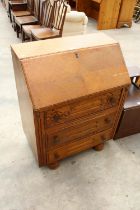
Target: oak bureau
71,93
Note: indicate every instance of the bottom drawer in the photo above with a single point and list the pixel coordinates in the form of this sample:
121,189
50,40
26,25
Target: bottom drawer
75,147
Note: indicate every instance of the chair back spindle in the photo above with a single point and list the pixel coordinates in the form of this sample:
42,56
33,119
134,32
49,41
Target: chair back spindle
46,13
58,15
30,6
37,9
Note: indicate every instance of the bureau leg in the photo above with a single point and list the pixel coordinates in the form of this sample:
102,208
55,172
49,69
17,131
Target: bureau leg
99,147
54,165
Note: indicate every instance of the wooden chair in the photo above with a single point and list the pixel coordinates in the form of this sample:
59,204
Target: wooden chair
28,20
45,20
16,5
56,25
23,11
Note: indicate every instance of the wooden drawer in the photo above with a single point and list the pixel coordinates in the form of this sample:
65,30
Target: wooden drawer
90,105
77,131
74,147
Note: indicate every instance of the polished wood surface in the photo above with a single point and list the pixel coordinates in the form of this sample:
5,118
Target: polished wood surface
25,105
126,13
91,8
35,49
129,123
109,14
75,100
105,11
83,83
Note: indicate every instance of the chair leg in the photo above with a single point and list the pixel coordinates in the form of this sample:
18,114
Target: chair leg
9,11
17,30
22,36
32,38
13,22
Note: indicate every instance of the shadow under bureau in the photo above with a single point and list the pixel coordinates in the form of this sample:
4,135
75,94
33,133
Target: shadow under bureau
71,93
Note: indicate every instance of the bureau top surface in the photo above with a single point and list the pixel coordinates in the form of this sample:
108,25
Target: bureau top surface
40,48
60,77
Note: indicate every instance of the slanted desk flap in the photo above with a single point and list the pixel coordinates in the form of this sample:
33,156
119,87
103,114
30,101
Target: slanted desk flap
59,77
40,48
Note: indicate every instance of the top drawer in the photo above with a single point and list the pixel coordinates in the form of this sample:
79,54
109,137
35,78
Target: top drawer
79,108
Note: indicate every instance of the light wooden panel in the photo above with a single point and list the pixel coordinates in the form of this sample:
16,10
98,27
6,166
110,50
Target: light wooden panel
126,13
108,15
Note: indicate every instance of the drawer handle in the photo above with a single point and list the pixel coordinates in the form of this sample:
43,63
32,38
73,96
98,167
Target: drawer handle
56,117
112,100
107,120
56,140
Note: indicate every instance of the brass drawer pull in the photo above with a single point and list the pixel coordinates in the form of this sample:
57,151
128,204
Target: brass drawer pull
112,101
56,117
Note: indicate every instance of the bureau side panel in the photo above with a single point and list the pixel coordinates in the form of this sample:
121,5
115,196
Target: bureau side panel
26,109
108,15
120,108
126,13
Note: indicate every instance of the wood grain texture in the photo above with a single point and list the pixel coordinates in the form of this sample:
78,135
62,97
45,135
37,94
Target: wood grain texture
70,100
35,49
25,105
80,78
126,13
90,7
105,12
108,14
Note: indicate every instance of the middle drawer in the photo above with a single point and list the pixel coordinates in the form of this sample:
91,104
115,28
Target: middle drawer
78,131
